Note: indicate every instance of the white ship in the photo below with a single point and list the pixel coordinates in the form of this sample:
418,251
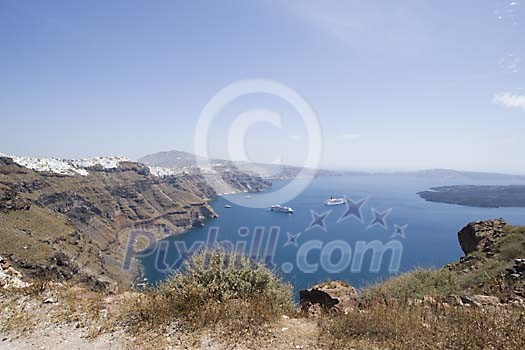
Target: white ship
335,201
282,209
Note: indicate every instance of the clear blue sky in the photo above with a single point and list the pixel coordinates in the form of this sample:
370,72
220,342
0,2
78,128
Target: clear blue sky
396,84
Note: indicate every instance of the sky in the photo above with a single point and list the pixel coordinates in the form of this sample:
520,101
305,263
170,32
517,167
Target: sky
395,85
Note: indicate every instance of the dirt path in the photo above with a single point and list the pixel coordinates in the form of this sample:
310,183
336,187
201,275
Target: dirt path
60,337
287,334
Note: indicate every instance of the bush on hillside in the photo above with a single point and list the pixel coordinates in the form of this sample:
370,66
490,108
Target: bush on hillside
216,288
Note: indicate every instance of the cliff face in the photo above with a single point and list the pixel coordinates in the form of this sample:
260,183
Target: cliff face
481,235
77,227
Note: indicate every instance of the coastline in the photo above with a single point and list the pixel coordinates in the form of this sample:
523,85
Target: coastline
140,280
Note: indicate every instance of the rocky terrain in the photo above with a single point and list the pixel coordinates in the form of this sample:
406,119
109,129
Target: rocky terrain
475,303
74,225
9,277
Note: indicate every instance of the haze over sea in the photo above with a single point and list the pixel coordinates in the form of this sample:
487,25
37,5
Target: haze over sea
430,237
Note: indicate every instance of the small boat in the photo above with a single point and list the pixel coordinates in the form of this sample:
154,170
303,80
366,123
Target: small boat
247,197
227,206
282,209
335,201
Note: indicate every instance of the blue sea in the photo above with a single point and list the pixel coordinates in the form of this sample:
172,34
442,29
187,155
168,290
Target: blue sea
305,254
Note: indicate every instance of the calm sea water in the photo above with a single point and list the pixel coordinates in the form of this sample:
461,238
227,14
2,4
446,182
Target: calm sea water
430,237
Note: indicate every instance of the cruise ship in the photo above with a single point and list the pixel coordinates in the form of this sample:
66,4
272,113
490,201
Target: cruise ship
335,201
282,209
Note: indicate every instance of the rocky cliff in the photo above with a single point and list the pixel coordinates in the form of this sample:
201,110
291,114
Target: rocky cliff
76,225
481,235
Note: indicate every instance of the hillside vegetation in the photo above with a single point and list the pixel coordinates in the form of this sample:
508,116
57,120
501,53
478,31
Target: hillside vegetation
224,301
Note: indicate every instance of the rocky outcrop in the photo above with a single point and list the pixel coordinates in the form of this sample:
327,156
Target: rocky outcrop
333,296
72,204
517,272
8,166
9,277
481,235
316,297
10,200
246,182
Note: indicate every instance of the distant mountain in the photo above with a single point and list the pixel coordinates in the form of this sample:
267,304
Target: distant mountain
462,175
178,159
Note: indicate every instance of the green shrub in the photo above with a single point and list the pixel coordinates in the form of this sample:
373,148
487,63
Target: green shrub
215,288
512,246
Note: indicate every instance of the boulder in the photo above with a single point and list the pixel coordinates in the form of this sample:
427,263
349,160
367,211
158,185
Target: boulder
454,300
10,200
467,300
479,300
516,272
485,299
335,296
519,265
315,298
9,277
480,235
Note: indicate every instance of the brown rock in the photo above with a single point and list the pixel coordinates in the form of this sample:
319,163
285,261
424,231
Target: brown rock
314,297
485,300
480,235
336,296
454,300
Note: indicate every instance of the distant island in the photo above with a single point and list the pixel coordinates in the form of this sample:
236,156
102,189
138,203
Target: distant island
477,196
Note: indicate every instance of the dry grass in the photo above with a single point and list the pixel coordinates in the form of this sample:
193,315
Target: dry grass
25,308
512,246
416,284
215,290
18,319
16,310
398,325
233,298
86,309
229,296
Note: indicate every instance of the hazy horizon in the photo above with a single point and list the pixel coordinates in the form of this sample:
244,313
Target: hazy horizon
396,86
